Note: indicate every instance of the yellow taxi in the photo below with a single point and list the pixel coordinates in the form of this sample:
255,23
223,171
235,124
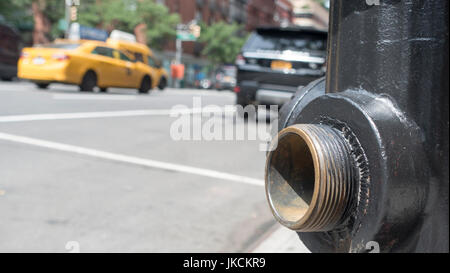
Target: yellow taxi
145,57
84,63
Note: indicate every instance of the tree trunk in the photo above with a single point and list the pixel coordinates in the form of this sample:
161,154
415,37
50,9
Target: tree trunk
41,22
139,32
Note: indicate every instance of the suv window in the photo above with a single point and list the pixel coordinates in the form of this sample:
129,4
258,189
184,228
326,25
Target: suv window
286,40
103,51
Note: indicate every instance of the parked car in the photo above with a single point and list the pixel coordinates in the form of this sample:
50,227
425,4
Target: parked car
275,61
85,63
141,54
225,78
203,84
9,52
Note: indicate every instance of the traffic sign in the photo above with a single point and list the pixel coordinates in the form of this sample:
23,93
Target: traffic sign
186,36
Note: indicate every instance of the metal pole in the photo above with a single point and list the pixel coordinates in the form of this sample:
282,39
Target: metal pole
386,94
67,18
179,52
178,55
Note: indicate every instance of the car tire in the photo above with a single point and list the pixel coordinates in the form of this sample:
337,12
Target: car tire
42,85
242,100
146,85
103,89
162,84
89,82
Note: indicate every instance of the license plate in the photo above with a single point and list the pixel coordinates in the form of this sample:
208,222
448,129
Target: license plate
280,65
38,60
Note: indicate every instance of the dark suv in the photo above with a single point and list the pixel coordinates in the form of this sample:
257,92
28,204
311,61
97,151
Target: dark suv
10,47
275,61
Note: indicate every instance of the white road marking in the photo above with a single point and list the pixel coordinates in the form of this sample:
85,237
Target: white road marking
191,92
130,159
105,114
92,97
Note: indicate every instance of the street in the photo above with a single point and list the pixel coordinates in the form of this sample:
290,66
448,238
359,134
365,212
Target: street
110,178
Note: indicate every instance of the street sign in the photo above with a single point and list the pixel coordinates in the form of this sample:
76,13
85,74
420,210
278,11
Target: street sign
73,13
185,36
71,3
195,30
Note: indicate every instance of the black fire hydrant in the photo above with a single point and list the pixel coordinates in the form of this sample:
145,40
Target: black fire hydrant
361,158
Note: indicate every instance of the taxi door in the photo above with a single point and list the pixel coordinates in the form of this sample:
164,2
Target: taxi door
128,75
107,66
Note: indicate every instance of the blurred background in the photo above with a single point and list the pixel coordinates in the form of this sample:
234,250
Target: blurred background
225,26
98,170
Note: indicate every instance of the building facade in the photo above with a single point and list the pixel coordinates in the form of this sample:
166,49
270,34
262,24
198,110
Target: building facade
268,13
250,13
309,13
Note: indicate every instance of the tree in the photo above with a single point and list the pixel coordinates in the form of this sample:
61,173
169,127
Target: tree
44,14
149,21
222,42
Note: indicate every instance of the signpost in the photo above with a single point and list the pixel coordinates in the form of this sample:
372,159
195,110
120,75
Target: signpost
71,13
185,32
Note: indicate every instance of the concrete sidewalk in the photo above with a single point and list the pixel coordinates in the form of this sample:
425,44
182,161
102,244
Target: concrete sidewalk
281,240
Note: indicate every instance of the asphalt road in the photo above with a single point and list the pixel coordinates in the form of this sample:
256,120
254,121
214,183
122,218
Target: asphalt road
111,178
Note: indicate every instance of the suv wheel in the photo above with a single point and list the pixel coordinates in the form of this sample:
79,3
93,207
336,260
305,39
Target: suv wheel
244,101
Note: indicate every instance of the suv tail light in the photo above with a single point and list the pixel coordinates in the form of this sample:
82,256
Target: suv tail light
324,67
240,60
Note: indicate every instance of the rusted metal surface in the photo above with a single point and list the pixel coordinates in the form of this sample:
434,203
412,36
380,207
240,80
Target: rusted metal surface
386,94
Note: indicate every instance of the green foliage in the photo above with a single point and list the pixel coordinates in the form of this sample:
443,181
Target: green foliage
19,13
223,42
161,25
15,12
125,15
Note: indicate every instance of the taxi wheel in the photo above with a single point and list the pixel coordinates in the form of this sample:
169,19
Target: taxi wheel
104,89
162,84
89,81
42,85
146,85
